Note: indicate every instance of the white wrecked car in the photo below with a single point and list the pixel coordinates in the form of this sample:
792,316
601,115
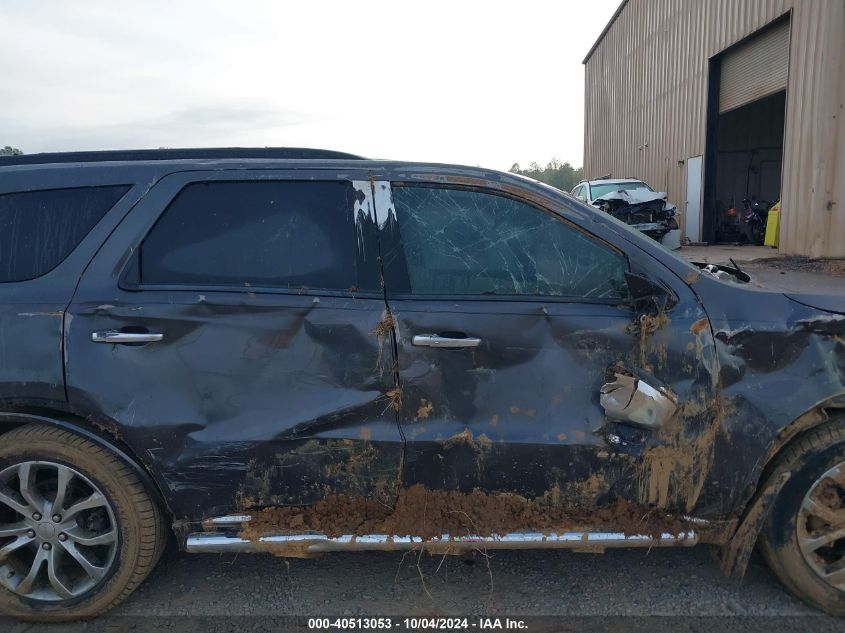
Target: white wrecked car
635,203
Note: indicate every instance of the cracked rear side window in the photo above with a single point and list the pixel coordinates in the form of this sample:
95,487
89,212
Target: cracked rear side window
39,229
466,242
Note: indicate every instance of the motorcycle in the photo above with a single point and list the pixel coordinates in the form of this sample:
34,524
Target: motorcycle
753,222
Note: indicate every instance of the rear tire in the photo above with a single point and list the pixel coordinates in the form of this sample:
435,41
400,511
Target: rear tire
803,539
120,536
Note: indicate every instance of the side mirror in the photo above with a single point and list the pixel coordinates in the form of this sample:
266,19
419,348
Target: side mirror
629,398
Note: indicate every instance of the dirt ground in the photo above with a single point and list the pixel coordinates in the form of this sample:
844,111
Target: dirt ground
661,590
770,270
832,267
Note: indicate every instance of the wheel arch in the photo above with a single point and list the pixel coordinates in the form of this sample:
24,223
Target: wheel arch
736,552
824,412
97,434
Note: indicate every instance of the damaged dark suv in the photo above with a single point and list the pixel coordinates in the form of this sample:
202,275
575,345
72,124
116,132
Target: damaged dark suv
300,351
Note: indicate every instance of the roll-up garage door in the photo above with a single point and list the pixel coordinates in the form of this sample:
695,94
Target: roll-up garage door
755,69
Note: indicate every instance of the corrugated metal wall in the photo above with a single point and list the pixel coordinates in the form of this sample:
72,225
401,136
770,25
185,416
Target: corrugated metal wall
646,103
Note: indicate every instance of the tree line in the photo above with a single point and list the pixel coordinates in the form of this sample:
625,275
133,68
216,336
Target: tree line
557,174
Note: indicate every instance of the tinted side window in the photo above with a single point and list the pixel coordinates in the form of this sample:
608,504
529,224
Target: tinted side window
39,229
257,233
469,242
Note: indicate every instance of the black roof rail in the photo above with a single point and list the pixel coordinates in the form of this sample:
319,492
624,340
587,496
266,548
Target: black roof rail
175,154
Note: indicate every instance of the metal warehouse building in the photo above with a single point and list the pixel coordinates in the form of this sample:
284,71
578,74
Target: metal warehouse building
714,101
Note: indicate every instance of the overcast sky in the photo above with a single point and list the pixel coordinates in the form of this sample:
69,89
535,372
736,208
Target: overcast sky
480,83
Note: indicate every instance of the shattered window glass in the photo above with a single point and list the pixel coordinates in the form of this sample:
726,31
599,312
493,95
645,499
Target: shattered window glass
274,234
468,242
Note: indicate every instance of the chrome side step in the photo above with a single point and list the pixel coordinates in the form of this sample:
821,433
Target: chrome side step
304,544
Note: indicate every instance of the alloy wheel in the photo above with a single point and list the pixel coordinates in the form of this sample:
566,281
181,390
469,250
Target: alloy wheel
821,527
58,534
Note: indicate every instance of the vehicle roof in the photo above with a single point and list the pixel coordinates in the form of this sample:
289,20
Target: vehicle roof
142,155
77,169
158,163
63,169
35,171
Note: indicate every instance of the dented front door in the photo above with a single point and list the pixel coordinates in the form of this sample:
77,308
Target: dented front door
514,327
262,379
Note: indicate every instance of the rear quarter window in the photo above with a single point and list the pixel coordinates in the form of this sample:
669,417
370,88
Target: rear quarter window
39,229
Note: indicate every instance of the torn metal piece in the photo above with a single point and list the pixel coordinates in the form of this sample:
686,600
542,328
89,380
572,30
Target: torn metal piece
630,399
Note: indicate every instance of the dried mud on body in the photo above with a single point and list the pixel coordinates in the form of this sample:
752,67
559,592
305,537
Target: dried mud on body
428,514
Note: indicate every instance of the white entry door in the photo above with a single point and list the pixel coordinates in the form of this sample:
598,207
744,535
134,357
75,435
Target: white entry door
692,224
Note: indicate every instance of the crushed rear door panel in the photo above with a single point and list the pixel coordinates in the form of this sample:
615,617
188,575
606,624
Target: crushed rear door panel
253,397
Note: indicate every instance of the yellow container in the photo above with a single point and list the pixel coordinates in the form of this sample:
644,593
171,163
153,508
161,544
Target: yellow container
773,226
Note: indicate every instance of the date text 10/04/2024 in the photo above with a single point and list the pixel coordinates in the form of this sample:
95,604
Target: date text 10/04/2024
417,623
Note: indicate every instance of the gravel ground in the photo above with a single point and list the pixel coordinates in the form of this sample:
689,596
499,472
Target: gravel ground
795,280
674,584
664,581
833,267
788,274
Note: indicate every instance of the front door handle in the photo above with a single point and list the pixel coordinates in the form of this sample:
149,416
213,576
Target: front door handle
435,340
115,336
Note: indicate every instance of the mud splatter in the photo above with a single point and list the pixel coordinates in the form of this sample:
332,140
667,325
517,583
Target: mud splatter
530,412
381,331
480,443
394,399
357,464
483,441
645,327
827,494
588,491
699,326
427,513
385,326
737,552
255,488
424,410
676,472
341,466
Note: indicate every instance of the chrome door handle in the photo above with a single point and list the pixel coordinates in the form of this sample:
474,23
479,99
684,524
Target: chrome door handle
113,336
435,340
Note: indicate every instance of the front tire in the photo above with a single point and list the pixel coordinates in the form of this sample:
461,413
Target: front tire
78,530
803,539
